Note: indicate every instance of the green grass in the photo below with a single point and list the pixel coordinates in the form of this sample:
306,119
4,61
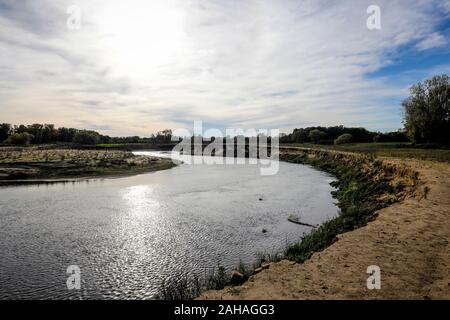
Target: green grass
394,150
187,286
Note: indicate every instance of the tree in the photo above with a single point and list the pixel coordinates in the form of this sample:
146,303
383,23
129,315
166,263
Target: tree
48,133
427,111
343,139
5,130
65,134
86,137
23,138
299,136
317,135
164,135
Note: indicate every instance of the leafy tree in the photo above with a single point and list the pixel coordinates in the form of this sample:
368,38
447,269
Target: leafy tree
5,130
164,135
48,133
343,139
300,136
427,111
66,134
23,138
317,135
86,137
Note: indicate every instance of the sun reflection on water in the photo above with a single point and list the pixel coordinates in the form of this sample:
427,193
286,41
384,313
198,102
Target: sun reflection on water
141,200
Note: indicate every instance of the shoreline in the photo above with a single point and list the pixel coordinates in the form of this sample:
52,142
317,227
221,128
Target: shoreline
49,166
118,175
338,270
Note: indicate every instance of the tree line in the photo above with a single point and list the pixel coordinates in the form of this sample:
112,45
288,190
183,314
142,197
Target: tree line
48,134
341,135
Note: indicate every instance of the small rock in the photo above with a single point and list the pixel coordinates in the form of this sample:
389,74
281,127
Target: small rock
236,278
257,270
265,266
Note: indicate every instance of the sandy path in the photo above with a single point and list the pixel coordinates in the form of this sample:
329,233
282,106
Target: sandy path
409,241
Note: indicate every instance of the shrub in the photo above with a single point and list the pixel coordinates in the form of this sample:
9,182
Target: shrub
86,137
5,130
395,136
343,139
218,280
20,138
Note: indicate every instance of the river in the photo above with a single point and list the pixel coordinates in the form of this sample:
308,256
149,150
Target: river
128,235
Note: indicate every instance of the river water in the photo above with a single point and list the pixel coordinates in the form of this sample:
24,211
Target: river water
128,235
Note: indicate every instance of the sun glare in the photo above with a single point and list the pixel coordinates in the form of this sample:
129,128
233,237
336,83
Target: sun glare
140,38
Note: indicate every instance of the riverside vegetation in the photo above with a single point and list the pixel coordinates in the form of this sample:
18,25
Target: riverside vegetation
364,185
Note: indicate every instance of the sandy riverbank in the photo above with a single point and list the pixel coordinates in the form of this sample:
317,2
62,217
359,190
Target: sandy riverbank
409,241
34,165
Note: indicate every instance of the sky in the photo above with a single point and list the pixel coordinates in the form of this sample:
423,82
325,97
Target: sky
138,66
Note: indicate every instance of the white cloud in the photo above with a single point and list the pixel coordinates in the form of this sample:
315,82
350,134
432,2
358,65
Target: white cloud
434,40
141,67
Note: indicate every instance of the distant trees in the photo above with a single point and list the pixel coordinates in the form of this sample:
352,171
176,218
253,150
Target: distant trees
86,137
303,135
42,133
343,139
23,138
47,133
300,136
5,130
316,135
66,134
427,111
395,136
164,136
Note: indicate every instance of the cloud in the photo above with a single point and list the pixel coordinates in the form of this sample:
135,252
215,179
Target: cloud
434,40
143,66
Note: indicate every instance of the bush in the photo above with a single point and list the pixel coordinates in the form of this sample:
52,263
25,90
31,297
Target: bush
5,130
343,139
19,139
183,287
396,136
317,135
86,137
